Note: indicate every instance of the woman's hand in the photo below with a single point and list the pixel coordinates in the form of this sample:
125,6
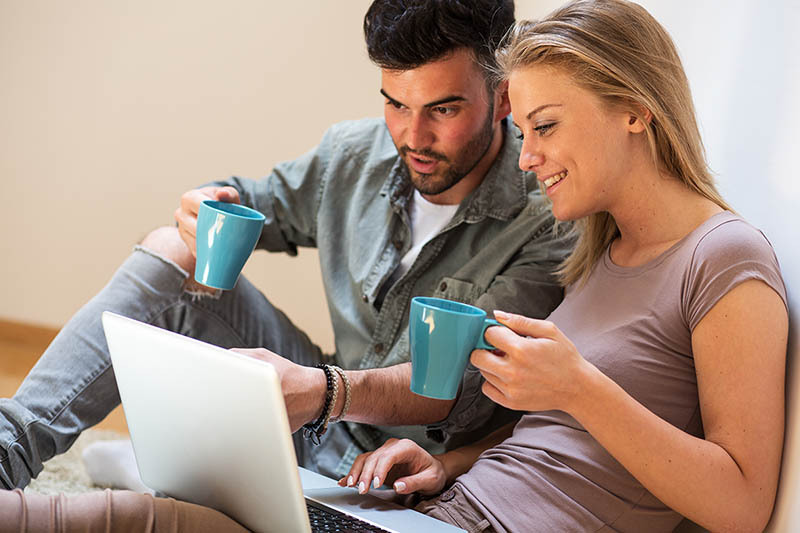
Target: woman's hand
537,367
403,463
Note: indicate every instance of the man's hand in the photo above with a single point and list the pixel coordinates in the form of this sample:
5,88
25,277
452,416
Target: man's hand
186,214
303,387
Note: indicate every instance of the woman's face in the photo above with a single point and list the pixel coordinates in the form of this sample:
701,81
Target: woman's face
578,147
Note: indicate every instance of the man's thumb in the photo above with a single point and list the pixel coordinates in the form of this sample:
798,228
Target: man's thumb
227,194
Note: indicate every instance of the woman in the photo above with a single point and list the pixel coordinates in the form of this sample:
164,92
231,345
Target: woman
655,389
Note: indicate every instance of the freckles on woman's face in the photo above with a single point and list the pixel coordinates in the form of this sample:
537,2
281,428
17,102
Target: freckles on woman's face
568,139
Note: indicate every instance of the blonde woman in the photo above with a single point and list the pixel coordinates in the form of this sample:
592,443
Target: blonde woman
655,389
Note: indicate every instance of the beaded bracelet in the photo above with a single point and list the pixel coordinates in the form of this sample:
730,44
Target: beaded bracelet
346,382
314,430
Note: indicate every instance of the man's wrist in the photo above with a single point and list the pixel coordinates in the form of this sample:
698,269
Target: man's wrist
317,391
342,404
315,429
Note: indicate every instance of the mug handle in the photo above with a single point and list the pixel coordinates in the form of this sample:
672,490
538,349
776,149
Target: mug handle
487,323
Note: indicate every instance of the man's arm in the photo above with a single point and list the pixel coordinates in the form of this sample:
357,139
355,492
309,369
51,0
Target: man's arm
381,396
377,396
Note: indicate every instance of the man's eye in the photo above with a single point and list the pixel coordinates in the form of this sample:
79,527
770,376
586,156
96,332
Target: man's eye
441,110
396,105
544,128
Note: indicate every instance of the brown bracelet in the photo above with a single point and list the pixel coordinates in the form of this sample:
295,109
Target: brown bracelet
346,382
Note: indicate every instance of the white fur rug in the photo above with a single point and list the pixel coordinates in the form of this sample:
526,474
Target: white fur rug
66,473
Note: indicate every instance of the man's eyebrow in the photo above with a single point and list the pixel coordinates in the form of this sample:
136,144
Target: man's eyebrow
540,108
392,100
445,100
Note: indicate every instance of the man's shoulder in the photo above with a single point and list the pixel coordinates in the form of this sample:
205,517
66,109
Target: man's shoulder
367,136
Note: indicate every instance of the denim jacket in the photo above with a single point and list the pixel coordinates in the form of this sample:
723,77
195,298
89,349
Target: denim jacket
348,197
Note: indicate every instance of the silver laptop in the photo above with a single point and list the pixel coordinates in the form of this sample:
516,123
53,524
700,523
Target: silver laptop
209,426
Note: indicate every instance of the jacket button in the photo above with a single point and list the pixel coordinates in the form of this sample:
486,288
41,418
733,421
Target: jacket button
443,286
447,496
365,298
379,348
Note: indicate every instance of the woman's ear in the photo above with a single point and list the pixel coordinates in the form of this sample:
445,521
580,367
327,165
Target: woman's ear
639,119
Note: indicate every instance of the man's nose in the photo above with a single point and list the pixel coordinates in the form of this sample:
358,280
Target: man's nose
420,134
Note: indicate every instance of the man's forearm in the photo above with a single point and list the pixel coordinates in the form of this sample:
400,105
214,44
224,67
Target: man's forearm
381,396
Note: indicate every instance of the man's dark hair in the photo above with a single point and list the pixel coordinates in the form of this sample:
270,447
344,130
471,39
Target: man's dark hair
406,34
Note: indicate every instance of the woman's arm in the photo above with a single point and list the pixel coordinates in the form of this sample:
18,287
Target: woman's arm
409,468
727,481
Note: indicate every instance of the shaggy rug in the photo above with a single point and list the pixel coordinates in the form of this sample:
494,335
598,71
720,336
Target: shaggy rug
66,473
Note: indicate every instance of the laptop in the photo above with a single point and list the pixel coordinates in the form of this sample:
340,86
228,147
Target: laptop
209,426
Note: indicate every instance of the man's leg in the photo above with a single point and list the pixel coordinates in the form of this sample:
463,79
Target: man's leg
72,387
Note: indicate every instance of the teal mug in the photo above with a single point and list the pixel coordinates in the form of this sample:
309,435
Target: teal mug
442,334
227,234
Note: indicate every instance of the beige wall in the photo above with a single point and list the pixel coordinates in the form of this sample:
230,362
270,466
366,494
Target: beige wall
110,109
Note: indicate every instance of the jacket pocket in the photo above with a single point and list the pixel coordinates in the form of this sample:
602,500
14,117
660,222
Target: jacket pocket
456,289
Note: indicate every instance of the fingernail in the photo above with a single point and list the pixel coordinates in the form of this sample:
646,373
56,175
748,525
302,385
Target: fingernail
350,481
399,486
361,487
376,482
501,314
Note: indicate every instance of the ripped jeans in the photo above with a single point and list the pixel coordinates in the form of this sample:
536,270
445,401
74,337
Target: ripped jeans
72,386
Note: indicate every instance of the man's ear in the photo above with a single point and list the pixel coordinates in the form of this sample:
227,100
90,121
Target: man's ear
502,105
639,119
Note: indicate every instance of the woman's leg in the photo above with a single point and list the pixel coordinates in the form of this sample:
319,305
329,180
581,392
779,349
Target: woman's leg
118,511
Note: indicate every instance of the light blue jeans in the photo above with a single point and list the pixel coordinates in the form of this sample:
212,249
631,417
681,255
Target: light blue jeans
72,386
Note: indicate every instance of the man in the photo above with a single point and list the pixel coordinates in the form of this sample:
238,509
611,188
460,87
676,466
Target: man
428,201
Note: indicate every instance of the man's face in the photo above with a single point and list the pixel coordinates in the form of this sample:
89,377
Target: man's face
441,118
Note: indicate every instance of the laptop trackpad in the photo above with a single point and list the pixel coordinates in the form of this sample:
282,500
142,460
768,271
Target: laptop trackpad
377,510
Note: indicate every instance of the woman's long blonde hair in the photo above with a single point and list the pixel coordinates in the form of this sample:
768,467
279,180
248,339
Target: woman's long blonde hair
617,50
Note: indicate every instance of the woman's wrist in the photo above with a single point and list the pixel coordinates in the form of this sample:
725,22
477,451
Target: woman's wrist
588,392
456,462
450,466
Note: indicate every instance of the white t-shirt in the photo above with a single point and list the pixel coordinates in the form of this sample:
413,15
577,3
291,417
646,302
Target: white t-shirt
427,220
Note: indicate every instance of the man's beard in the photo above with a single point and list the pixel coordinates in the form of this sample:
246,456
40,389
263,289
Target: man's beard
465,160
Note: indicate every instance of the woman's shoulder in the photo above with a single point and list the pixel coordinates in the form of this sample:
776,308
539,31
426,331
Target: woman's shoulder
728,251
727,236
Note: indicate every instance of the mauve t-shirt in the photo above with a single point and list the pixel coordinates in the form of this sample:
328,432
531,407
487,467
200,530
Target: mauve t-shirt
635,325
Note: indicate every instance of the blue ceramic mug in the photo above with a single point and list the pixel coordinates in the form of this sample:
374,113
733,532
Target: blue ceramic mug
226,236
442,334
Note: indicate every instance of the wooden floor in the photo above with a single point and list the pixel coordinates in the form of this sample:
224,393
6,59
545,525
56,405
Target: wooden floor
20,348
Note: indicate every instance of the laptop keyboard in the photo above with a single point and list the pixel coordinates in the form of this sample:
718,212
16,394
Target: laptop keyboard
324,519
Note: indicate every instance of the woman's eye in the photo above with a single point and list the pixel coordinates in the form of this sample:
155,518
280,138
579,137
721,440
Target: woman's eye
544,128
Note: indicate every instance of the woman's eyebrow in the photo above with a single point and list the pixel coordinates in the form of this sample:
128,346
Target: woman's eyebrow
541,108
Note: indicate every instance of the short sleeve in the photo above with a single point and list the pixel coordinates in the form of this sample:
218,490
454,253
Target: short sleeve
729,254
